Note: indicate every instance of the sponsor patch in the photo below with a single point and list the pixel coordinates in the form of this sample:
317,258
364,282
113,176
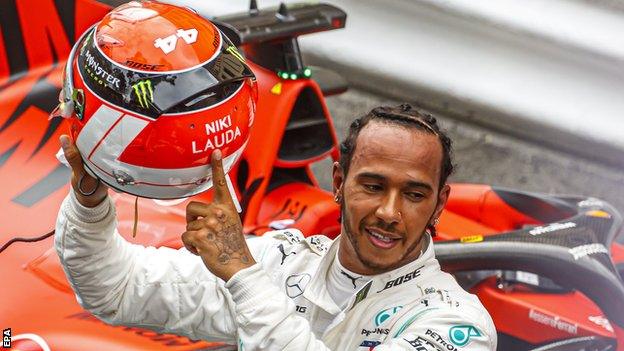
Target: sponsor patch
421,344
384,315
376,331
598,213
586,250
471,239
361,295
144,93
403,279
440,341
318,244
296,284
551,228
461,335
601,321
284,254
143,66
98,73
290,236
370,344
554,322
591,202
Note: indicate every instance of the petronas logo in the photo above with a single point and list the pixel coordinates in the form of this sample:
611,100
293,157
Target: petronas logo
460,335
232,50
143,91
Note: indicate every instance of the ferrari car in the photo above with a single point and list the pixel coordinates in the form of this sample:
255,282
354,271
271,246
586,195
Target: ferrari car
546,267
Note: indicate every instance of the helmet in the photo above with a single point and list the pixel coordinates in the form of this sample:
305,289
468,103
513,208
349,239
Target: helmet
151,91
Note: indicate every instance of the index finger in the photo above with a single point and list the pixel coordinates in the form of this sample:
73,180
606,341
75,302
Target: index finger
221,192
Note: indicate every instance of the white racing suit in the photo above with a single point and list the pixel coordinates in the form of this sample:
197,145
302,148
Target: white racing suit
281,303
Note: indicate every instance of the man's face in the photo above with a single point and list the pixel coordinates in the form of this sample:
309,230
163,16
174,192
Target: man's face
389,196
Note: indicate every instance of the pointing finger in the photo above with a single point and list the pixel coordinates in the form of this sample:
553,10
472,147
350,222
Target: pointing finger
221,191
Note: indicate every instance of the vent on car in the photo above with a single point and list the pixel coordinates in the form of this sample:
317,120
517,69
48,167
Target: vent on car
308,136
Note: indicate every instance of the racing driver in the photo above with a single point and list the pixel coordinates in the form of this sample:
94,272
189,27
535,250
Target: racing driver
376,286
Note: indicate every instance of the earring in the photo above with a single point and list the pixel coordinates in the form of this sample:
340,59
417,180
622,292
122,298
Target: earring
436,221
337,198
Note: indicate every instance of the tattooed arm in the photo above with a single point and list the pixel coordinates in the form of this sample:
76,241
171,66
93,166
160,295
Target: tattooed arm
214,231
157,288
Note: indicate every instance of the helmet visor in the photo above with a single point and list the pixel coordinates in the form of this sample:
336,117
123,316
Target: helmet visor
153,93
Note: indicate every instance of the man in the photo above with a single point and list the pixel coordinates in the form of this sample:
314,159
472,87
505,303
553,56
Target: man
378,285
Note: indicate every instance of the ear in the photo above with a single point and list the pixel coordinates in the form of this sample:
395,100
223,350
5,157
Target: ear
338,178
443,196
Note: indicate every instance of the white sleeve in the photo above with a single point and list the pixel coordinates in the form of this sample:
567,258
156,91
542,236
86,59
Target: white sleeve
162,289
266,316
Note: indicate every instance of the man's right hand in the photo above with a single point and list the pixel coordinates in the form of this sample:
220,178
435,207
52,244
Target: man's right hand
88,183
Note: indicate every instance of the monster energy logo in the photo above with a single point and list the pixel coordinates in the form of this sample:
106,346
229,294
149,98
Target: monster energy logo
232,50
141,90
85,42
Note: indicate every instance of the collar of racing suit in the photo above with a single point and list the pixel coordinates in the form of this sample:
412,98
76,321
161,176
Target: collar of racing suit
410,274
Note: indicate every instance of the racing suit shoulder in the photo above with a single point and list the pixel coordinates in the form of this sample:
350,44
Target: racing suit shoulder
293,241
291,235
444,320
288,251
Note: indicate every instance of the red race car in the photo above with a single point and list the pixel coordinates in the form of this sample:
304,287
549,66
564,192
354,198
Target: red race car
546,267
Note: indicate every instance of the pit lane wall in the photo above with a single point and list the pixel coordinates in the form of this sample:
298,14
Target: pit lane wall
551,71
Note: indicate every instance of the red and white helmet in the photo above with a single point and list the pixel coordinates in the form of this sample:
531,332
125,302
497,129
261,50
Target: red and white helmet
151,91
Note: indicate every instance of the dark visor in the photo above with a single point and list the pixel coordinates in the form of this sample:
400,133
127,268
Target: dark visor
153,94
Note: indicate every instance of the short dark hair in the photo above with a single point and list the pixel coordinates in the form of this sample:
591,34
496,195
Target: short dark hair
404,115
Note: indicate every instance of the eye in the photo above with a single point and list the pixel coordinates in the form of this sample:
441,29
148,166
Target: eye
373,188
414,196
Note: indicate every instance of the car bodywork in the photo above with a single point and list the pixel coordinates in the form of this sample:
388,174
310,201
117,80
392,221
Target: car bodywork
493,239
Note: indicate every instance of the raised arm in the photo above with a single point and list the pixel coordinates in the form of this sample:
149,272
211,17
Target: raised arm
162,289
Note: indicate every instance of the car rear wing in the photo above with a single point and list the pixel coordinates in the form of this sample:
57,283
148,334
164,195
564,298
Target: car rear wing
280,23
269,38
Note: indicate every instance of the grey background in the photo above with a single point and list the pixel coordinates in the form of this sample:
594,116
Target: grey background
486,156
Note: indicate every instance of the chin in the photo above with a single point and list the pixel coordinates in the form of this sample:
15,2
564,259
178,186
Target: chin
378,260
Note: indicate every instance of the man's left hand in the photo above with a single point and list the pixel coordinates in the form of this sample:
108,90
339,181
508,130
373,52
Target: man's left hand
214,231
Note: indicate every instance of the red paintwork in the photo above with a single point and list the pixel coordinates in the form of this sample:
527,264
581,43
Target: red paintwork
119,27
35,296
619,332
511,309
617,253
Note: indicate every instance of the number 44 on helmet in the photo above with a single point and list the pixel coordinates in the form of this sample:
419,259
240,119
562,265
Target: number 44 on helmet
151,90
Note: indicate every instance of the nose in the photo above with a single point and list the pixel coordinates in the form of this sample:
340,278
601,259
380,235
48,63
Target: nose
389,208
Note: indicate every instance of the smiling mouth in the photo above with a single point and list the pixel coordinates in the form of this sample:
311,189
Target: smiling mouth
380,240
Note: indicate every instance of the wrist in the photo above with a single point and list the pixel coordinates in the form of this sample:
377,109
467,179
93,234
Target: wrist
89,214
89,191
230,274
226,272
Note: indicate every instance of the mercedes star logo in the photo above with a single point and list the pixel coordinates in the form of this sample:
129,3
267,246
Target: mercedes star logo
296,284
